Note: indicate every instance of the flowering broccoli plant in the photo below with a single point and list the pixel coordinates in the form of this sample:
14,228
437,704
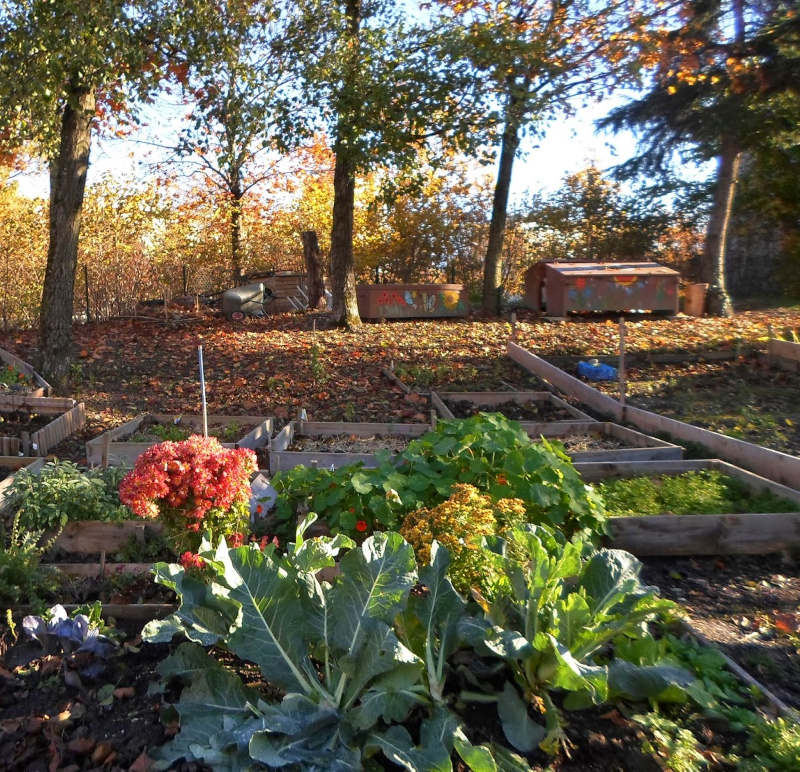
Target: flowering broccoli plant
192,486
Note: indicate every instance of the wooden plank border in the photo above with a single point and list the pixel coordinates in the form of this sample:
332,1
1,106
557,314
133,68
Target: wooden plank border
59,429
106,448
641,447
16,463
282,459
726,534
130,612
771,464
784,354
43,388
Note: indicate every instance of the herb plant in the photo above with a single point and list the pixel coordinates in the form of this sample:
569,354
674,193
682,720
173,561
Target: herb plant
706,492
22,577
62,492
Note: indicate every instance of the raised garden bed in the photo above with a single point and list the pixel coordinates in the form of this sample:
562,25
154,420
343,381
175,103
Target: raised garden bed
31,384
605,441
9,465
124,444
699,534
34,425
784,354
535,410
332,440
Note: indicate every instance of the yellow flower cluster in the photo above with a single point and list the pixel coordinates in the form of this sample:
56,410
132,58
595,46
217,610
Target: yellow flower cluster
459,524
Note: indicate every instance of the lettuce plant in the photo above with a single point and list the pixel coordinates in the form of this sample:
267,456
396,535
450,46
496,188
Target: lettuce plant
554,622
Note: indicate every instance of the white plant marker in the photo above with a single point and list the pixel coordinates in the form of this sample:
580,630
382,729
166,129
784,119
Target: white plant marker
203,390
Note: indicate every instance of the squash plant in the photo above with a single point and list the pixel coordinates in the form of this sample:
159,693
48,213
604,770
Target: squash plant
488,451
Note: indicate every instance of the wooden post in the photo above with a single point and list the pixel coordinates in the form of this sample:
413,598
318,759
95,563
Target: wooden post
203,390
185,280
621,372
513,325
433,418
106,444
25,437
86,290
313,262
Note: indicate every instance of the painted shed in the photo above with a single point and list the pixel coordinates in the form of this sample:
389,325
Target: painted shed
561,288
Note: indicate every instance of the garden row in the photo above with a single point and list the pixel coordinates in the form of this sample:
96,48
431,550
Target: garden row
408,668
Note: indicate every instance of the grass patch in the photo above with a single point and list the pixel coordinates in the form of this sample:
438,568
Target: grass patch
706,492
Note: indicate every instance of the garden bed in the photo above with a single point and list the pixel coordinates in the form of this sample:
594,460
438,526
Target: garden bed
605,441
331,441
699,534
34,425
533,409
744,604
19,378
124,444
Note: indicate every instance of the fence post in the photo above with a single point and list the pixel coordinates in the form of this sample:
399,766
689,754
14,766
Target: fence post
86,289
185,280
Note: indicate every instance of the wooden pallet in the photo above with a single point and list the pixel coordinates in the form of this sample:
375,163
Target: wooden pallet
107,449
281,459
771,464
665,535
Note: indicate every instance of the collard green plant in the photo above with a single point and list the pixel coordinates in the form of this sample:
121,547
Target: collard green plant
487,451
61,492
563,607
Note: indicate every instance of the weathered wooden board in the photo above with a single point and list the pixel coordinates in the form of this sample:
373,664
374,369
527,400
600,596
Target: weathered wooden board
131,612
9,446
43,405
281,459
784,354
639,447
89,536
770,463
109,449
43,388
98,569
392,376
59,429
726,534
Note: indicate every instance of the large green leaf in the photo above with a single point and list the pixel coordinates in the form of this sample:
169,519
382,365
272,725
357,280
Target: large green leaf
664,683
519,728
273,631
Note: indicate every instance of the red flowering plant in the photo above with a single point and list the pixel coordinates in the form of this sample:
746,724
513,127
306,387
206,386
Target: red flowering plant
192,486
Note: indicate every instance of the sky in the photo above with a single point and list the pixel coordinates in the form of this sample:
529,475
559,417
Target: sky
568,145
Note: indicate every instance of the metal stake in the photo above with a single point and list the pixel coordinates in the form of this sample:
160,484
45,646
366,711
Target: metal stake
203,390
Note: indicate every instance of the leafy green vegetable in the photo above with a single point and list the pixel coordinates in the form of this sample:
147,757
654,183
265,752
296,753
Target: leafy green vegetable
554,623
706,492
487,451
61,492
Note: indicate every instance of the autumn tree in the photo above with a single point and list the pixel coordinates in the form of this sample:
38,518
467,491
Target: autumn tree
535,57
384,88
235,70
59,62
725,82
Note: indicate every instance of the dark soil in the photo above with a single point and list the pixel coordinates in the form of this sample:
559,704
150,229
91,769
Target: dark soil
525,411
733,602
113,588
13,424
575,443
47,725
5,473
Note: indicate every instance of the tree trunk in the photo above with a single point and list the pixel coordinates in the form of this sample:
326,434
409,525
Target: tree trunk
716,241
343,279
236,231
493,262
67,184
313,261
